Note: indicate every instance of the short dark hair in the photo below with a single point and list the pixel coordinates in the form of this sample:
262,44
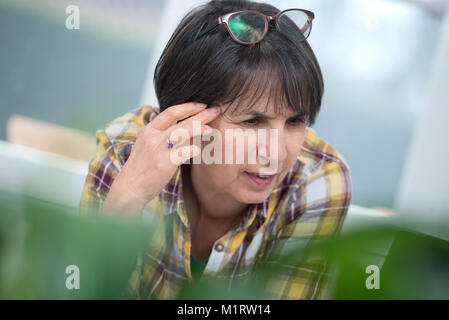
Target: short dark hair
214,69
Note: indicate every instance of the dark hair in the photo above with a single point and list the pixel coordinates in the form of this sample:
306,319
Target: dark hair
214,69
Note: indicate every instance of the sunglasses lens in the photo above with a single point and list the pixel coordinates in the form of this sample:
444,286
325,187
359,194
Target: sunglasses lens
247,27
295,24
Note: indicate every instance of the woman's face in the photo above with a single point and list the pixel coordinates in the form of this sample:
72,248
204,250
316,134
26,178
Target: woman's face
276,152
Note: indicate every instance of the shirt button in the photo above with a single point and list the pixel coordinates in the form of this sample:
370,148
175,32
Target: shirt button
219,247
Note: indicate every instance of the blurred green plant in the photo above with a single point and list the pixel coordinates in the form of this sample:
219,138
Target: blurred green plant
39,240
411,266
415,265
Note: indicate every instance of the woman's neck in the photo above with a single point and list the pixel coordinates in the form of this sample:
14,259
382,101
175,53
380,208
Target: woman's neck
207,207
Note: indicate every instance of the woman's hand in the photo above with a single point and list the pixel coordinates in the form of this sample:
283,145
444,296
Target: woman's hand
149,167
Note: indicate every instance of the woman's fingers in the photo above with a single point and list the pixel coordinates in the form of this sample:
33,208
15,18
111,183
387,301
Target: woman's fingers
170,115
192,127
201,118
178,136
183,154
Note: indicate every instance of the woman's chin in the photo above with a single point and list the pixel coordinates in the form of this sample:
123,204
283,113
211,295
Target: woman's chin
251,197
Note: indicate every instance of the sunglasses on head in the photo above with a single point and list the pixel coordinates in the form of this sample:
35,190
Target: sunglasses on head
250,27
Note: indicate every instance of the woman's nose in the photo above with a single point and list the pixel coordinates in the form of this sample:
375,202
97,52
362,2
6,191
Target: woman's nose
281,154
274,148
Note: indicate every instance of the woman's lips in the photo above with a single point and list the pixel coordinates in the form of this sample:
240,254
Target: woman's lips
261,180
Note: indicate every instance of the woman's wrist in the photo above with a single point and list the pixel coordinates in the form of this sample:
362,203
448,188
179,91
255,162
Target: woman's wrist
123,202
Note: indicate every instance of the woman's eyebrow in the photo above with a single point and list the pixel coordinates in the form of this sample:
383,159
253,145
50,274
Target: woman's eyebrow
260,115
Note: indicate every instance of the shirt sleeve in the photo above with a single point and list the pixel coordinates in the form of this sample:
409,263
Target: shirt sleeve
314,213
103,169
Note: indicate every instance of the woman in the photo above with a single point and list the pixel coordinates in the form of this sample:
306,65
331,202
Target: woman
224,69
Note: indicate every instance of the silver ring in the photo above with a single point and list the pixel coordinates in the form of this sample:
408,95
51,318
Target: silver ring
169,144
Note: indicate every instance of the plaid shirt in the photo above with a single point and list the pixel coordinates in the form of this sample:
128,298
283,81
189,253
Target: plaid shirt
311,201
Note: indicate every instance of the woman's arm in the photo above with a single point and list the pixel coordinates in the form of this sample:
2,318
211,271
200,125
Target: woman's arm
124,192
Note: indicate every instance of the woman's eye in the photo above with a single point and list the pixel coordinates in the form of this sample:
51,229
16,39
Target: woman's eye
296,121
251,122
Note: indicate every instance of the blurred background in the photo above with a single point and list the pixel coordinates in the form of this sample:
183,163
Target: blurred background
385,65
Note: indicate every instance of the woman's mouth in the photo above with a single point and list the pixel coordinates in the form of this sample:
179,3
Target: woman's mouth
260,179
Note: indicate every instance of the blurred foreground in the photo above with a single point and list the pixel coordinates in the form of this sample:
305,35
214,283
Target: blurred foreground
38,240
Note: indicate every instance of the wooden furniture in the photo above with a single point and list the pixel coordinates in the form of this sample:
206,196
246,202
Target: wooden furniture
50,137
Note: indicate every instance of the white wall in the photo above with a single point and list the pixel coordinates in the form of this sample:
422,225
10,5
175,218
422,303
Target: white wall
173,12
424,189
